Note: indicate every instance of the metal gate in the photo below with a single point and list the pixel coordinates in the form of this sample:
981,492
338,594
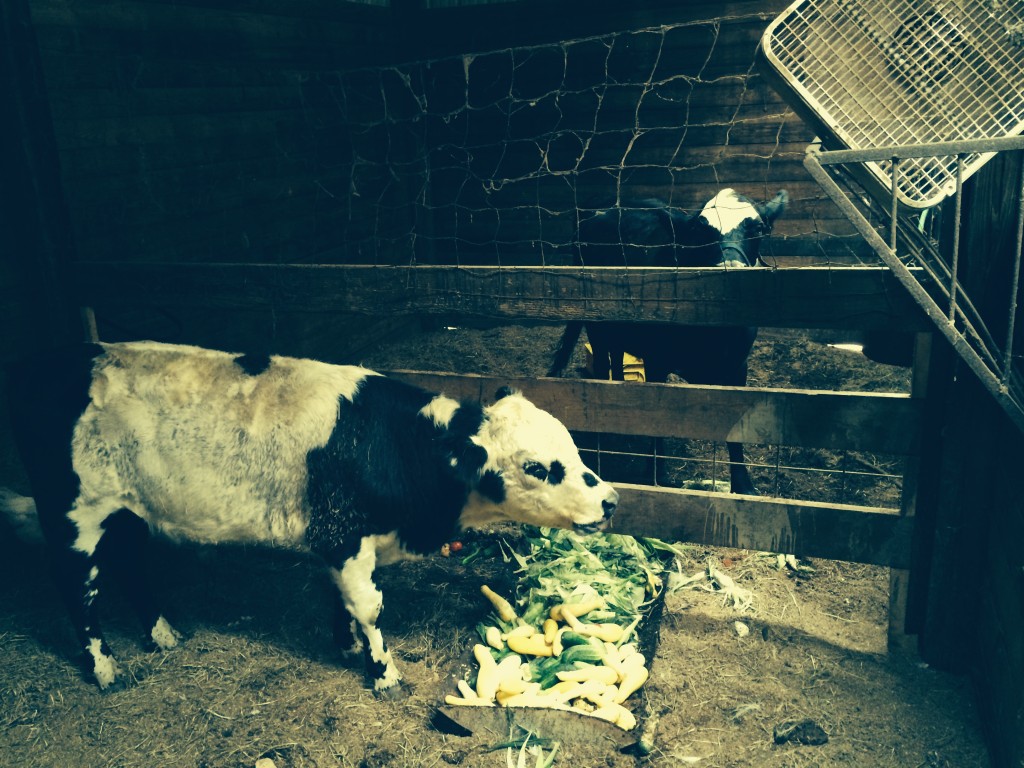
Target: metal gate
940,295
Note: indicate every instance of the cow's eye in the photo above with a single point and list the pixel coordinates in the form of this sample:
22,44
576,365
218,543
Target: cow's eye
536,469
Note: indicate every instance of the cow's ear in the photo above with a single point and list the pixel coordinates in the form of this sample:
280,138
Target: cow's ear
463,454
773,208
505,392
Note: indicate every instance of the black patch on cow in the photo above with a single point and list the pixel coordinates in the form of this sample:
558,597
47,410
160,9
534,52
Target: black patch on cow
374,669
492,486
503,392
590,480
556,473
253,364
386,468
536,469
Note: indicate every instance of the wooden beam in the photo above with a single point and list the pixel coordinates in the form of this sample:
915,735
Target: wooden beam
34,219
813,297
837,532
876,423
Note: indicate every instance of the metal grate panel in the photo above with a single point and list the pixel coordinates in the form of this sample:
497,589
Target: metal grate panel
880,73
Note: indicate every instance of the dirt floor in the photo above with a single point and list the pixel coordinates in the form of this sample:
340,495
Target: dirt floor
256,677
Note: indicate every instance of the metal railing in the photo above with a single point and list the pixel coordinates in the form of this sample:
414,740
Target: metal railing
944,300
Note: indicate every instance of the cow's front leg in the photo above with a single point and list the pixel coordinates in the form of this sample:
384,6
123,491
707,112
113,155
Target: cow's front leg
362,600
739,476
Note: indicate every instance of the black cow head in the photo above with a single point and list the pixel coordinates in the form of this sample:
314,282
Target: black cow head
736,224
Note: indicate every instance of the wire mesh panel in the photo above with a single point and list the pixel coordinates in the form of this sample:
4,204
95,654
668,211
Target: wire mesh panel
878,73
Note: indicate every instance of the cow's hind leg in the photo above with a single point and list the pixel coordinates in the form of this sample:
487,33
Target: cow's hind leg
124,551
739,475
362,600
77,568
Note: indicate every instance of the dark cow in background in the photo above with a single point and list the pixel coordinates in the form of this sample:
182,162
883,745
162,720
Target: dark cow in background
727,233
205,446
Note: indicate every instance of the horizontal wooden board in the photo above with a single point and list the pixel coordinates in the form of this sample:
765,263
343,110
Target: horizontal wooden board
808,529
877,423
153,29
479,28
857,298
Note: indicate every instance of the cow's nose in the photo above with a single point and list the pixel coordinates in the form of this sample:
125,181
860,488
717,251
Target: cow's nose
609,505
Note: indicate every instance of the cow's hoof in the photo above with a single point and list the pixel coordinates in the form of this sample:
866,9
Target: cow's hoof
745,489
120,684
98,664
162,637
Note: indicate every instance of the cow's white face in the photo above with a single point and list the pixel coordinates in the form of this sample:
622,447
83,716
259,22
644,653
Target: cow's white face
741,224
543,480
727,211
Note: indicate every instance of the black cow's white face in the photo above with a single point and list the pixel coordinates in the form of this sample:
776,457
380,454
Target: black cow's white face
537,475
741,224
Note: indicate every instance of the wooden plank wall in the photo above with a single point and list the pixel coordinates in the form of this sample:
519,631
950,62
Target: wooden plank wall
206,130
601,100
203,130
188,130
330,132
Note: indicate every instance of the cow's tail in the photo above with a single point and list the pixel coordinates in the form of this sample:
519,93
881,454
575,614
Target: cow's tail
20,513
565,347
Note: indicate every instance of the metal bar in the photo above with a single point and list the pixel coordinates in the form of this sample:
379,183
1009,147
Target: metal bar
960,345
1014,284
935,149
956,237
895,206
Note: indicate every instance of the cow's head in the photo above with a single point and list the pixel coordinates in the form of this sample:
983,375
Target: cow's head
533,472
738,224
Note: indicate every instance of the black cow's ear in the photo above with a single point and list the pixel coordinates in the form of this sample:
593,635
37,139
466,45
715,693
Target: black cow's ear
464,455
468,461
774,207
505,392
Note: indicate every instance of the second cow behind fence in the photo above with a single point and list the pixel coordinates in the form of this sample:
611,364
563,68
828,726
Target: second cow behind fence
726,233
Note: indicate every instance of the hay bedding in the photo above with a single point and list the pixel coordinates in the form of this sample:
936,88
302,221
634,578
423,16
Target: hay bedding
256,678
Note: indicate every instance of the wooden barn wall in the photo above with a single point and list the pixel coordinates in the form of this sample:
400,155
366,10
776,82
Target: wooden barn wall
527,112
267,132
975,623
197,131
192,130
318,131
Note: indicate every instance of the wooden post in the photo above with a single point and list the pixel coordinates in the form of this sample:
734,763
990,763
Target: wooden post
34,215
908,589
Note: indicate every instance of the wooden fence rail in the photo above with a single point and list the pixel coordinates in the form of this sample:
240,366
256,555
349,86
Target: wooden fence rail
874,423
807,297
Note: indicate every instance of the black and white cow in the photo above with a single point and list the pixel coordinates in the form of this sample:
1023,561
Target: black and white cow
206,446
727,233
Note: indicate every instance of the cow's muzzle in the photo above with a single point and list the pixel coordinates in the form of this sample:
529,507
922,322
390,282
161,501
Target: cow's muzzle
608,506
